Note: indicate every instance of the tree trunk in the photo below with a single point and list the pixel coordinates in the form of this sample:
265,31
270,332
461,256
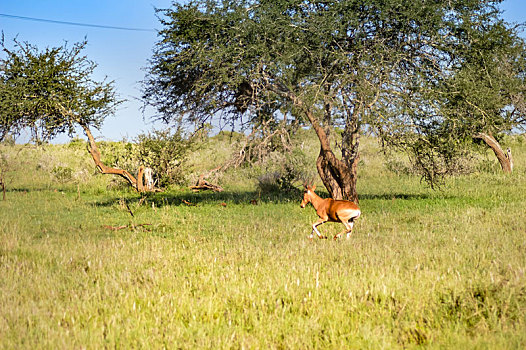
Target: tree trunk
337,176
504,158
149,183
137,184
3,187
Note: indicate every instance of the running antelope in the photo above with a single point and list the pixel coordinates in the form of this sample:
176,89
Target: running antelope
332,210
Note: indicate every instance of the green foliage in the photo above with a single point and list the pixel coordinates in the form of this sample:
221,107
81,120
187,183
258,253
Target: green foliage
292,173
77,143
50,91
486,93
283,171
481,91
62,174
398,165
422,75
164,151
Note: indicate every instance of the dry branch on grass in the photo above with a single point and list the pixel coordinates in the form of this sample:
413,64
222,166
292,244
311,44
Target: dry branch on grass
130,226
202,184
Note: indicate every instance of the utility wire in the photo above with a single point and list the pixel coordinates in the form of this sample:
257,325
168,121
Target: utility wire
76,23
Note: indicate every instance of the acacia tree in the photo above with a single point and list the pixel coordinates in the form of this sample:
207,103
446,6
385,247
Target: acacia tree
347,63
478,95
485,96
50,92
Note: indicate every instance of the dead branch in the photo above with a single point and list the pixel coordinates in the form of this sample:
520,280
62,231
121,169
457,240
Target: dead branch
505,159
131,226
260,143
137,184
129,210
202,184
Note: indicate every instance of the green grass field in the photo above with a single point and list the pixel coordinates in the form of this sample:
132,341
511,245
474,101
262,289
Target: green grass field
438,269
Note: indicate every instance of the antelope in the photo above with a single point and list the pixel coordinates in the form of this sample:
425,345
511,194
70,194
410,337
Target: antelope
331,210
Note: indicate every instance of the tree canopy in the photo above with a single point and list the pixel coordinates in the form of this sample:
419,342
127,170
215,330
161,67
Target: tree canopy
392,67
478,94
50,91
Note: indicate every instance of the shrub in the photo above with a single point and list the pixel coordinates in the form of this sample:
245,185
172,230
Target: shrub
164,151
62,173
292,169
77,143
397,165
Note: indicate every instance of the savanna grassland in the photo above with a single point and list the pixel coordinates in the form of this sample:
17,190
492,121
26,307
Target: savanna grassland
434,268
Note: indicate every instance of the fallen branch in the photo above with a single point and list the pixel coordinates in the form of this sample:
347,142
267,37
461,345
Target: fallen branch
202,184
131,226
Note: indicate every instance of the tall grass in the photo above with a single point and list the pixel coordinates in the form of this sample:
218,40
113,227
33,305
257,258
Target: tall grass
439,269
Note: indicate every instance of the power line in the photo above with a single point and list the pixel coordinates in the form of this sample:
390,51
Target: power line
76,23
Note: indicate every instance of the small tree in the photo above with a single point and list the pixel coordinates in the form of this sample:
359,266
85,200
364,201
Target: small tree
50,92
485,96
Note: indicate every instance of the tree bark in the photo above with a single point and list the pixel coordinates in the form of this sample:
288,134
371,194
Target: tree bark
338,176
137,184
504,158
3,187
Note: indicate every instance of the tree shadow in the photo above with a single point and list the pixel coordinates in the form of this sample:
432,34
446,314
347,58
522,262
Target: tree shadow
186,198
391,196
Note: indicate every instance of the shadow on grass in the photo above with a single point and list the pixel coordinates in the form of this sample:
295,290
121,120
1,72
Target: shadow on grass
187,198
391,196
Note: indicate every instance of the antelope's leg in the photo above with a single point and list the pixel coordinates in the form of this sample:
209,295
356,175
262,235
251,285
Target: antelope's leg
348,228
339,234
314,229
351,225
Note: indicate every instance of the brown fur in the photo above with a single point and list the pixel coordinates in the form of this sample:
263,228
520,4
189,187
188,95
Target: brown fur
331,210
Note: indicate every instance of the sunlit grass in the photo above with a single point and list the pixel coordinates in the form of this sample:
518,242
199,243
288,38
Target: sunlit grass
443,269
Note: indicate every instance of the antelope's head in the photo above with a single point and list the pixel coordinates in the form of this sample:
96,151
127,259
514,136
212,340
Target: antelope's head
307,195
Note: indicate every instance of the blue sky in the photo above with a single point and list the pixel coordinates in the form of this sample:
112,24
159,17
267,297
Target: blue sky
121,55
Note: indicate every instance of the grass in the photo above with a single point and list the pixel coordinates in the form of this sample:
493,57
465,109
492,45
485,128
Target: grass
433,269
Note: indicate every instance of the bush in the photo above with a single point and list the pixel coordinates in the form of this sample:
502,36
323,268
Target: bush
268,183
164,151
62,173
398,165
77,143
293,168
